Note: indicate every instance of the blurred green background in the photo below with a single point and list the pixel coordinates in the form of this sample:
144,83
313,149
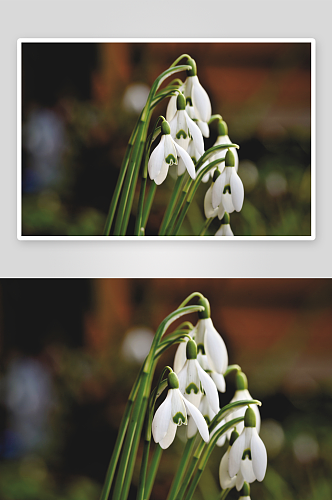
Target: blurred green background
70,351
80,102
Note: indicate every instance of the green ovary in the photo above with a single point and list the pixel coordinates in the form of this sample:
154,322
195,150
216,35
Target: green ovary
170,159
192,387
179,418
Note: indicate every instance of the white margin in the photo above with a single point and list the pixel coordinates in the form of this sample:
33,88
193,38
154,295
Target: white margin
312,41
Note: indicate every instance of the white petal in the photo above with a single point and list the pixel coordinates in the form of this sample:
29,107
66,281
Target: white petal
170,151
159,179
215,349
196,134
209,211
237,191
247,470
225,480
191,428
199,420
222,439
180,357
171,108
181,167
169,437
178,407
193,383
204,128
258,456
156,159
226,200
217,190
187,161
182,377
201,100
219,380
173,124
221,211
228,231
239,481
162,418
235,455
209,387
221,231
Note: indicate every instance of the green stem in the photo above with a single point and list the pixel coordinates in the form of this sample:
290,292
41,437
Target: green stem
148,203
122,476
206,226
119,440
170,207
153,471
207,455
181,469
128,181
224,493
178,206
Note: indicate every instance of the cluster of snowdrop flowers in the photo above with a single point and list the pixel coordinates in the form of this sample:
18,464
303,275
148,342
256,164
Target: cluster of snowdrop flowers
200,363
180,144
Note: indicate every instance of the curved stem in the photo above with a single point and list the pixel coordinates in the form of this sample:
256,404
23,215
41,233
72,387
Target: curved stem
206,226
181,469
170,206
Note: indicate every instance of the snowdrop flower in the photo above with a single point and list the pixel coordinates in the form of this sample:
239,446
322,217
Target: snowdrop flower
209,210
210,343
222,139
225,480
228,188
208,414
241,394
173,413
225,228
183,128
192,377
196,97
248,453
165,154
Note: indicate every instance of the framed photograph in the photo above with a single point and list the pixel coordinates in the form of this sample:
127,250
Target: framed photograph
166,138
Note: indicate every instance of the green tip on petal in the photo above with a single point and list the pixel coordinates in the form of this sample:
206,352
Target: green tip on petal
226,218
173,381
222,128
241,381
193,71
216,174
229,159
180,102
191,350
249,418
245,491
234,437
165,128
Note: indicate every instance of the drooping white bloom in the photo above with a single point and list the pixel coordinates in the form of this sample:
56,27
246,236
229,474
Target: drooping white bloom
222,139
209,342
193,380
173,413
225,480
248,453
184,129
165,154
209,211
242,394
228,189
199,98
